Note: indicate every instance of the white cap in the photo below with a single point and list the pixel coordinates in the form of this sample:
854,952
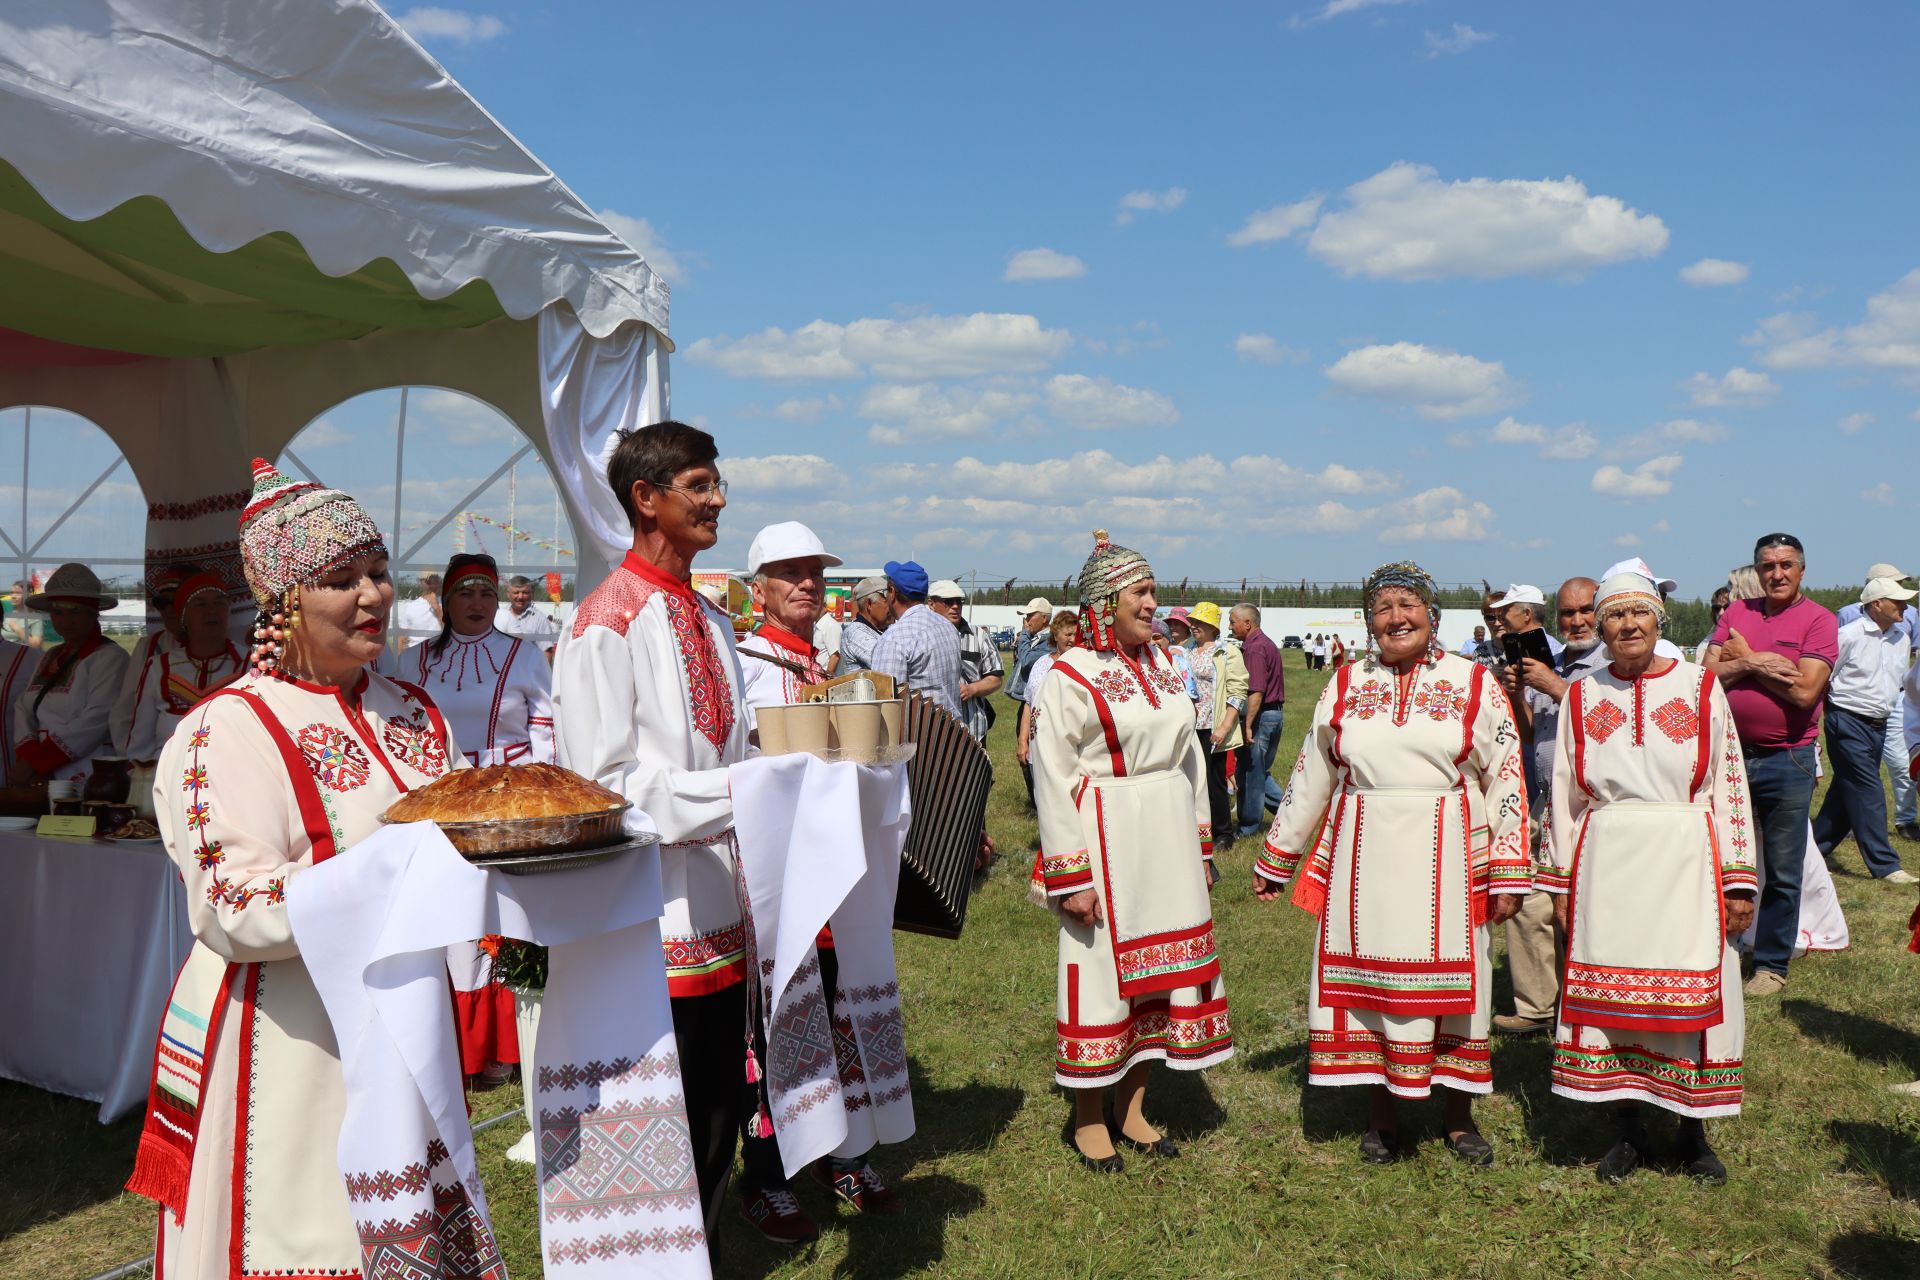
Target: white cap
1638,567
1886,588
946,589
1886,571
1039,604
1629,583
1519,593
788,540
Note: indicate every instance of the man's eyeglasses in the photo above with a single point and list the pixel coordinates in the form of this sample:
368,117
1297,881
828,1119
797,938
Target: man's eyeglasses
706,491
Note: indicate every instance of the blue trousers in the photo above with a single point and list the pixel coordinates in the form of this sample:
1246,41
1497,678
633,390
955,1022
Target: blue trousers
1856,803
1258,790
1780,782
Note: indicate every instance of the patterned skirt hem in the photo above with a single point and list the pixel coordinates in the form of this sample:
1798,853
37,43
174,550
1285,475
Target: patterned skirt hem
1641,1092
1397,1086
1146,1053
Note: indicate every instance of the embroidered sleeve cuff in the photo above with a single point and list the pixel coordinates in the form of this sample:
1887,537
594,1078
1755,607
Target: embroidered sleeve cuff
1739,879
1505,877
41,755
1274,864
1067,873
1551,879
1206,841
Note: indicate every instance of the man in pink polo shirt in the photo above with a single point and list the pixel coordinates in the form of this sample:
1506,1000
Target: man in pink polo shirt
1774,656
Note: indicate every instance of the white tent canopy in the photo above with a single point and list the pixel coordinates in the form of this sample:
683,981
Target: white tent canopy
220,219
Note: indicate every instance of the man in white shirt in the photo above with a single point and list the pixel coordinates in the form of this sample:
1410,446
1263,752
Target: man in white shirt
1906,806
517,615
1863,692
418,619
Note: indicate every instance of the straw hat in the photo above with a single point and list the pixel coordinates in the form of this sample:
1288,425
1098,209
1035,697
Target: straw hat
72,582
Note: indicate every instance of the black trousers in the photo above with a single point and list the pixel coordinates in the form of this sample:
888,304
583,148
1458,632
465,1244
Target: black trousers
1219,802
710,1032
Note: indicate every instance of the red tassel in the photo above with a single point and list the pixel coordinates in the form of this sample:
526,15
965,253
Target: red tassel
762,1124
160,1173
753,1067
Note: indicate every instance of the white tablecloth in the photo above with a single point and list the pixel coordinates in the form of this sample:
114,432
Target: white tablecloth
91,936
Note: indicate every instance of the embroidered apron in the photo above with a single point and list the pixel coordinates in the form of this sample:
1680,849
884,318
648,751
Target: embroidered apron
1140,835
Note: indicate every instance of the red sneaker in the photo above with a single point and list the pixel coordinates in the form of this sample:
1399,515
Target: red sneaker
862,1189
778,1216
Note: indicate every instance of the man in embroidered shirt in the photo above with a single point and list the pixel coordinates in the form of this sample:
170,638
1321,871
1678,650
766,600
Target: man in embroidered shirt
1265,717
1773,656
862,632
920,649
980,667
1906,812
646,702
1868,681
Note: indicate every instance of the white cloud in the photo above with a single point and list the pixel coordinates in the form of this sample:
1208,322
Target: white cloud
1738,388
1405,223
779,473
1439,515
1260,348
808,409
1138,202
465,420
1276,223
1887,338
321,433
1096,473
1854,423
1569,443
645,239
1094,403
456,25
1882,494
1627,540
1442,384
1458,40
1043,264
1651,479
1714,273
919,347
1336,8
1679,431
927,411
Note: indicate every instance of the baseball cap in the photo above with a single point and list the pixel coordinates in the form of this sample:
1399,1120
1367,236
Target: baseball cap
1519,593
907,576
1886,589
1886,571
1039,604
946,589
867,588
1638,566
788,540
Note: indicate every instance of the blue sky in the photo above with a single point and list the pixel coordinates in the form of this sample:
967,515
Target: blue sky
1277,291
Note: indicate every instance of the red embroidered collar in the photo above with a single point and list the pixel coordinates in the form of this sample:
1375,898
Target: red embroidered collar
653,573
1613,669
782,638
65,655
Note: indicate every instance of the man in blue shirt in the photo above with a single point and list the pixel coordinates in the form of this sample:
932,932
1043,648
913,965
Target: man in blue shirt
1033,641
1906,819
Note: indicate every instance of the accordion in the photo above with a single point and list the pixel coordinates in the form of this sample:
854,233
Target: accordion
947,783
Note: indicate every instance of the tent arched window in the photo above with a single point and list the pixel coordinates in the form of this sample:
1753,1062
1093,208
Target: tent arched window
67,493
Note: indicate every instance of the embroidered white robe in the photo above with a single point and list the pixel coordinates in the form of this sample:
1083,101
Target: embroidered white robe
1650,826
17,663
171,683
767,684
266,778
63,731
495,691
639,708
133,684
1122,794
1407,808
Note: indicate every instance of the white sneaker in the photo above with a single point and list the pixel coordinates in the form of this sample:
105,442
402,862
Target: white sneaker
1911,1088
1902,876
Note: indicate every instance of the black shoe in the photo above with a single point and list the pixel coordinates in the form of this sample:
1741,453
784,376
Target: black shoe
1097,1164
1472,1149
1908,831
1696,1158
1163,1146
1379,1146
1622,1158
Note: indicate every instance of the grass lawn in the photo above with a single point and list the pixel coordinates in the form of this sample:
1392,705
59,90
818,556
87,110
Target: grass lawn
1825,1163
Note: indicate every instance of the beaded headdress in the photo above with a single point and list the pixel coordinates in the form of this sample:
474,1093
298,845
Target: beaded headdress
294,532
1404,575
469,567
1110,570
1623,589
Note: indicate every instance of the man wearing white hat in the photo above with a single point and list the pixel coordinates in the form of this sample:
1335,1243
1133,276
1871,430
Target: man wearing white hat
788,567
1033,641
1906,815
981,671
1863,693
61,721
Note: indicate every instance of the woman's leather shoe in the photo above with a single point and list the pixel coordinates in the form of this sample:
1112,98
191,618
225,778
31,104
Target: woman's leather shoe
1163,1146
1379,1146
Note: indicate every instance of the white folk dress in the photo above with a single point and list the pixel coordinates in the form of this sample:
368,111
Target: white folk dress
646,695
61,720
133,684
1406,810
1122,793
17,663
172,682
266,778
1651,825
495,692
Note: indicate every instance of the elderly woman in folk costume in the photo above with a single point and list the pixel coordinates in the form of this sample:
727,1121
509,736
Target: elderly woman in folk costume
1651,852
1404,828
1125,844
284,768
495,692
179,674
61,721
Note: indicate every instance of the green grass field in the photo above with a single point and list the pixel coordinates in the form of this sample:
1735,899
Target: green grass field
1825,1163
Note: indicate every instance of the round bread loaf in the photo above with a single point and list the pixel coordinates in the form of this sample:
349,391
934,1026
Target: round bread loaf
504,792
